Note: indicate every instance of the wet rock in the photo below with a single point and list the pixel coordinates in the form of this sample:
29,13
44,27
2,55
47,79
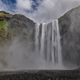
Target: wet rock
21,25
70,36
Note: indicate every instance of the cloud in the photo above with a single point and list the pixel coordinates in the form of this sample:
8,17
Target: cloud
2,6
42,10
53,9
24,4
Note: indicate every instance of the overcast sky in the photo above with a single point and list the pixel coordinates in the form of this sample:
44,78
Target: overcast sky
39,10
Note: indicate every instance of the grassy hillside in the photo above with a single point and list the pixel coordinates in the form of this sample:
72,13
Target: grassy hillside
3,25
3,13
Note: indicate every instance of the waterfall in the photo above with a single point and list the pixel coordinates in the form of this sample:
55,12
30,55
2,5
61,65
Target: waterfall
37,37
47,42
58,43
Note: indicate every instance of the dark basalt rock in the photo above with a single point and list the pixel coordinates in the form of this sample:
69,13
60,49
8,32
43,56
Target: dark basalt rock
23,28
17,26
21,25
70,36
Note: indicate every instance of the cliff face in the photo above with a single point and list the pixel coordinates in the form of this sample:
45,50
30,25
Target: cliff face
20,26
17,25
16,39
70,36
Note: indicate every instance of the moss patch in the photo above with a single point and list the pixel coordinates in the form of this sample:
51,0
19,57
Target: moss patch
3,30
3,24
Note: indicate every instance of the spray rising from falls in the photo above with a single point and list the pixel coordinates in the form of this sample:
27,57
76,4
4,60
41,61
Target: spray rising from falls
47,42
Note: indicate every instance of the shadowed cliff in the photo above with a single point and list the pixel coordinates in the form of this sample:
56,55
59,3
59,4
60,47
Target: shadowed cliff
70,36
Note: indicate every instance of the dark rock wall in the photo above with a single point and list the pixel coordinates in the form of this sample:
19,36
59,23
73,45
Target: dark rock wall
17,26
22,28
70,36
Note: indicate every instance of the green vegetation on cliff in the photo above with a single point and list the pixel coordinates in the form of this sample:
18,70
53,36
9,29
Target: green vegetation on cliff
17,25
3,24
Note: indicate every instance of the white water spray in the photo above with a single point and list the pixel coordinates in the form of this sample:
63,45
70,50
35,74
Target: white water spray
37,36
48,42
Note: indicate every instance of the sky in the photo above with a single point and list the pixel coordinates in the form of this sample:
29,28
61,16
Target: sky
39,10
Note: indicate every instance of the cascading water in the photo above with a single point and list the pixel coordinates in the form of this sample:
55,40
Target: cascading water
58,44
47,42
37,37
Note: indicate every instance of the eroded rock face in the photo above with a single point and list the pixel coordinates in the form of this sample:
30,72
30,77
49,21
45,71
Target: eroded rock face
70,36
16,25
20,25
17,35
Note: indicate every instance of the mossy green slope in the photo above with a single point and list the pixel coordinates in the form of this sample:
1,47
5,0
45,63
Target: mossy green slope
3,26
